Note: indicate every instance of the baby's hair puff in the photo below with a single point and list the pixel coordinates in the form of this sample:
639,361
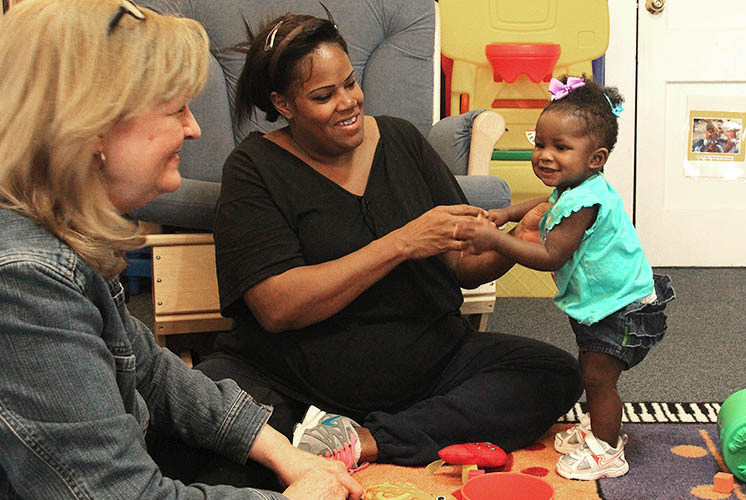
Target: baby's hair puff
597,107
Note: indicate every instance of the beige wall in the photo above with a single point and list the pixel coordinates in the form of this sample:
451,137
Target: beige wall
9,3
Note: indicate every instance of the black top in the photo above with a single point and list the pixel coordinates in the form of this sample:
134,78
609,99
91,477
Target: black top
276,212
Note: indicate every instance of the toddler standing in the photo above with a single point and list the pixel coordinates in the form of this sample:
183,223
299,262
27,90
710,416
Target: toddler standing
604,281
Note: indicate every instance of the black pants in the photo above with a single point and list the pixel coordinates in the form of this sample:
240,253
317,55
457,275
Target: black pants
499,388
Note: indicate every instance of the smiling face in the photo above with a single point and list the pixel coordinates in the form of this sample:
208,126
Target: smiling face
710,133
142,153
325,109
564,156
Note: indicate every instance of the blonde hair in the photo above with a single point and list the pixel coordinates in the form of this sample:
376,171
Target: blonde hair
66,82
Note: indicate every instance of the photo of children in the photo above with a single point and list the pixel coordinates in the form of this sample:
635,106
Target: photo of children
714,148
715,135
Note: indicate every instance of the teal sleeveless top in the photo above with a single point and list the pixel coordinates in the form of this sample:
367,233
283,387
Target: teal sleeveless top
608,270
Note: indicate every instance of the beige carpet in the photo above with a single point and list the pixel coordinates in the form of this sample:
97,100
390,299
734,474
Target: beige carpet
674,453
537,460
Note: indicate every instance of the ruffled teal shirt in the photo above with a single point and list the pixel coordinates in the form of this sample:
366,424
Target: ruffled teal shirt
608,270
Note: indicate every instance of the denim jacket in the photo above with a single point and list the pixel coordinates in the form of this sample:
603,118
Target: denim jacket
81,380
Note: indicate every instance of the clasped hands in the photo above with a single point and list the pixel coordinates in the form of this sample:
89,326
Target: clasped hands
475,235
461,228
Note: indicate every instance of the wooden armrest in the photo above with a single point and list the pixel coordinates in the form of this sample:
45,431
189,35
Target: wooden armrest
185,287
163,240
487,129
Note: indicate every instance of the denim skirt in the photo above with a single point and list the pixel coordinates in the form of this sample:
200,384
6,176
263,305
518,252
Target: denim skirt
629,333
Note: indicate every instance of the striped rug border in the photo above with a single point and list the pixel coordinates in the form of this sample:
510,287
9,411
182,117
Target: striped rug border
652,413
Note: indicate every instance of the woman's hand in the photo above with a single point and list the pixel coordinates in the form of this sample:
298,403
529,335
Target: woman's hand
323,483
309,477
437,231
528,228
473,268
318,485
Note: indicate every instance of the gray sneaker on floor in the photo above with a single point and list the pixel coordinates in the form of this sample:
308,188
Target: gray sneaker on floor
328,435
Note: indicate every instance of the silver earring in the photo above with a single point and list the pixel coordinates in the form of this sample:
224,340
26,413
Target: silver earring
101,156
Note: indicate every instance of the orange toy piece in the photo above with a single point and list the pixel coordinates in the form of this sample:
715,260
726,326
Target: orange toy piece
723,482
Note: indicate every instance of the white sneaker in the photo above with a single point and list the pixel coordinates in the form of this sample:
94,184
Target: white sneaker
593,461
573,438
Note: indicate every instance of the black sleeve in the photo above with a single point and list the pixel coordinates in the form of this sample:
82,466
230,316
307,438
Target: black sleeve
253,237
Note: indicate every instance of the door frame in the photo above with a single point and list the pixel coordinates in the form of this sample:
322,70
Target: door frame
621,72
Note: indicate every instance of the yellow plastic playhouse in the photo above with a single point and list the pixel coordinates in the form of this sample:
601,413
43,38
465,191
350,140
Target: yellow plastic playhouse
500,55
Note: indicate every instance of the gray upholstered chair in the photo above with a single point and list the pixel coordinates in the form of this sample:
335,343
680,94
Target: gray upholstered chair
392,44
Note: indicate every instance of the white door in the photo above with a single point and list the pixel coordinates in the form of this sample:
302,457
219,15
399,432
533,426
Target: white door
690,208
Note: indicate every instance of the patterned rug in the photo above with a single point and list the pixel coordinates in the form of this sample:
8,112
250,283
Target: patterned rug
673,451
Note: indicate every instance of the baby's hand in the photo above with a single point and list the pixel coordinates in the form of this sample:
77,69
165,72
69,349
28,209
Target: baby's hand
498,216
481,236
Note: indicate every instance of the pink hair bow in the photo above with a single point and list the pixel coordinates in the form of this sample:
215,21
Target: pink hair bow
560,90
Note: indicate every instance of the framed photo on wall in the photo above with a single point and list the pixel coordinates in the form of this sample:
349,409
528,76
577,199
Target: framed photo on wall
716,135
715,142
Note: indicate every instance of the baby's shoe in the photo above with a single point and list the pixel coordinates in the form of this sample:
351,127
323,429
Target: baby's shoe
573,438
596,459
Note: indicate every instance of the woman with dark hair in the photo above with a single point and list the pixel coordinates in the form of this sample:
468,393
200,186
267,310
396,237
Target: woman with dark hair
339,244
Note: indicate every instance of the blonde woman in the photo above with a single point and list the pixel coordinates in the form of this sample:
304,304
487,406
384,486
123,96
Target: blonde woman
94,112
